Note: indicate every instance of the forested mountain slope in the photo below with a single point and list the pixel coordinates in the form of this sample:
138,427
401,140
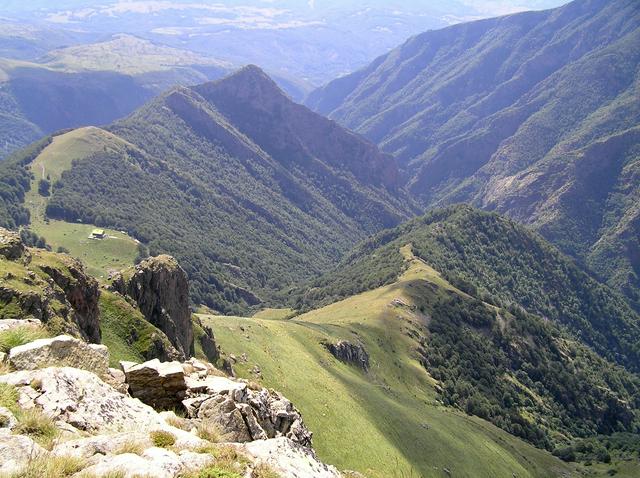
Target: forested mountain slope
250,191
535,115
499,261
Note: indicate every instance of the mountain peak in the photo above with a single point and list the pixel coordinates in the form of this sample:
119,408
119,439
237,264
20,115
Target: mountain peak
249,83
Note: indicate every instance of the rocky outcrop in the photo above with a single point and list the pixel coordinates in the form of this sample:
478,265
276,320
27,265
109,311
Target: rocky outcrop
11,246
244,414
241,413
8,324
347,352
159,384
159,288
62,351
49,287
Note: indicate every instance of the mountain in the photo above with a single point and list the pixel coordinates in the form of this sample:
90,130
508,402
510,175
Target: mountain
250,191
534,115
90,84
457,312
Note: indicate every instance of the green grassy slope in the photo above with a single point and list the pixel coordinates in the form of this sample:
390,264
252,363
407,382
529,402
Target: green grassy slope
534,115
100,257
386,422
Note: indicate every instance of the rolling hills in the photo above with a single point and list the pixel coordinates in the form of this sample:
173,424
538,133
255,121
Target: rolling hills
437,346
231,177
534,115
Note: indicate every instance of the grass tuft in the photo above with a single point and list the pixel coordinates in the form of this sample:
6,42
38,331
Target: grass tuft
130,446
51,467
262,470
210,431
39,426
20,336
9,397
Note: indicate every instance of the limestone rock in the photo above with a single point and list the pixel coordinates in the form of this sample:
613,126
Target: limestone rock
159,384
347,352
244,414
59,352
81,399
110,444
11,246
7,419
8,324
289,459
16,451
160,288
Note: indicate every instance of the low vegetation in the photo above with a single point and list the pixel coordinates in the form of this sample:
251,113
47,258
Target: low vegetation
162,438
38,425
19,336
51,467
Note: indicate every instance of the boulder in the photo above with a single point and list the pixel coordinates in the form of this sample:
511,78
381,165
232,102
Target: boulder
7,419
11,246
16,451
288,459
347,352
61,351
160,289
159,384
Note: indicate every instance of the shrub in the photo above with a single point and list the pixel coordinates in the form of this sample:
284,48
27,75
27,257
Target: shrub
37,425
162,438
19,336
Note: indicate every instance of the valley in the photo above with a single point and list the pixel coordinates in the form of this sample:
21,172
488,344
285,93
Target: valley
426,267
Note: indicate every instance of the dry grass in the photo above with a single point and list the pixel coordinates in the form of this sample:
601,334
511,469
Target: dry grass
51,467
39,426
262,470
178,422
210,431
131,446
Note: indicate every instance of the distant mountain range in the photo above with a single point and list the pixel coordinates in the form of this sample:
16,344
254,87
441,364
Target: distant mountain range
535,115
95,84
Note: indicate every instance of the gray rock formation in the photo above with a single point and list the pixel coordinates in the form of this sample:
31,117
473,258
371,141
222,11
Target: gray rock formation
347,352
159,384
52,288
244,414
15,452
61,351
160,289
11,246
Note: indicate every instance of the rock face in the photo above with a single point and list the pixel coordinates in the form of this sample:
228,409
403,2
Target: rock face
354,354
11,246
159,384
49,287
244,414
62,351
160,289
